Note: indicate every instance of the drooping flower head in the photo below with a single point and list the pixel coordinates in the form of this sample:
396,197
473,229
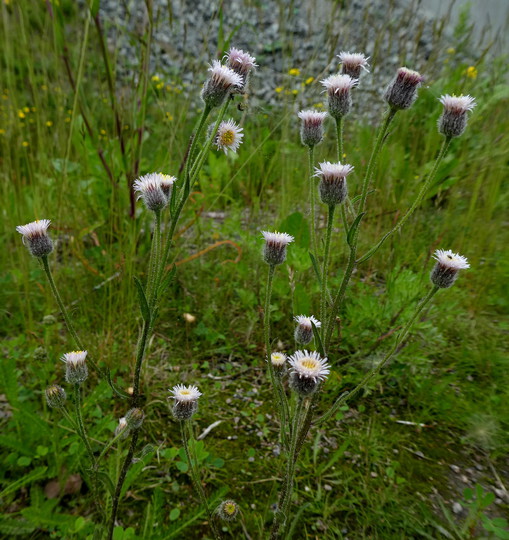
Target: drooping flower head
166,182
76,370
150,190
35,237
55,396
453,121
274,250
186,401
333,186
222,81
339,94
229,136
311,130
402,91
134,418
241,63
304,328
307,370
353,63
447,267
228,510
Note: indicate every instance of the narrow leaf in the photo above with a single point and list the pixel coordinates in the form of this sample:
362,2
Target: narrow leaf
353,229
145,310
318,339
167,280
315,266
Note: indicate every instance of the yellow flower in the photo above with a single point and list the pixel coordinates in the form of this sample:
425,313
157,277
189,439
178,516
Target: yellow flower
155,78
309,80
2,131
44,87
26,109
169,117
451,50
24,143
21,114
103,132
160,85
294,71
471,72
295,91
278,89
49,123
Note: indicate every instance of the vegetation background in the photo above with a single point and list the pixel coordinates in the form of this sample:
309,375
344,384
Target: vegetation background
423,454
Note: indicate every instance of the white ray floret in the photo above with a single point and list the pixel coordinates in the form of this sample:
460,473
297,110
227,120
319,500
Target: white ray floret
278,359
241,60
224,76
185,394
336,84
306,321
75,357
451,260
354,60
148,182
457,104
328,170
282,239
34,229
229,136
309,365
312,117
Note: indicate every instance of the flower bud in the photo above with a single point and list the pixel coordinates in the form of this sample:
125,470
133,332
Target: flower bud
274,250
228,510
48,320
122,428
186,401
134,418
150,190
311,131
278,361
453,121
241,63
35,237
220,84
304,328
76,370
447,267
307,370
333,187
40,354
402,91
339,93
353,63
55,396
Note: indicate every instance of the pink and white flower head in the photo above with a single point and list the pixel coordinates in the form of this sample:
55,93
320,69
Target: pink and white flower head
166,183
76,370
222,81
402,91
339,94
353,63
304,328
186,401
311,131
274,250
453,121
150,190
447,267
35,237
229,136
241,63
333,187
306,371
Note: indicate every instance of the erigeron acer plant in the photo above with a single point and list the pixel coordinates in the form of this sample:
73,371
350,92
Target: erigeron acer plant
164,196
308,369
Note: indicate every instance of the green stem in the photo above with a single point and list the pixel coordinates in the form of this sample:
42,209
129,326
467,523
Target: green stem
389,115
153,267
323,300
81,425
339,137
195,137
142,344
416,203
401,336
312,199
195,476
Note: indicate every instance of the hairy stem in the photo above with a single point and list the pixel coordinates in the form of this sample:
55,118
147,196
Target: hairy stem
339,137
312,200
325,270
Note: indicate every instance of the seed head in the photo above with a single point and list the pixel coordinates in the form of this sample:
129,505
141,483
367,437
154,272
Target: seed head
76,370
447,267
339,93
274,250
55,396
453,121
228,510
304,328
311,130
229,136
220,84
134,418
307,370
122,428
402,91
150,190
241,63
353,63
186,401
35,237
333,186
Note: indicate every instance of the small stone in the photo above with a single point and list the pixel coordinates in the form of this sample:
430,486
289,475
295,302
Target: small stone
457,508
455,468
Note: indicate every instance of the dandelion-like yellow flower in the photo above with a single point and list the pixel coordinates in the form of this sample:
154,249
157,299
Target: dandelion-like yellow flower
278,89
155,78
471,72
451,50
309,80
295,72
24,144
21,114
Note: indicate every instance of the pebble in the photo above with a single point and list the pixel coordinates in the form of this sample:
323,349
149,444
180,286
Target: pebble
457,508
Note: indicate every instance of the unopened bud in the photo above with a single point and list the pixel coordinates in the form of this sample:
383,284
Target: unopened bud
447,267
76,370
274,250
339,94
333,187
55,396
134,418
35,237
220,84
453,121
402,91
311,131
304,328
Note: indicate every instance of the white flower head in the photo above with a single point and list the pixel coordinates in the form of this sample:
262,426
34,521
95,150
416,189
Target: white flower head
229,136
304,330
339,84
457,104
76,370
274,250
311,131
279,238
309,365
151,191
307,321
221,82
75,358
310,116
35,237
339,94
451,260
447,267
241,63
333,187
353,63
185,394
453,121
333,171
278,359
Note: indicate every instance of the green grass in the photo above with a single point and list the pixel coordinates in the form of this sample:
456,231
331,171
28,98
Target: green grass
363,472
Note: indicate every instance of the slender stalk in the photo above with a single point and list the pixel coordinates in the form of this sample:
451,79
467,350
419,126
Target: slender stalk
142,344
325,270
339,137
400,338
312,200
415,204
154,260
389,115
80,424
281,515
195,137
195,476
111,443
